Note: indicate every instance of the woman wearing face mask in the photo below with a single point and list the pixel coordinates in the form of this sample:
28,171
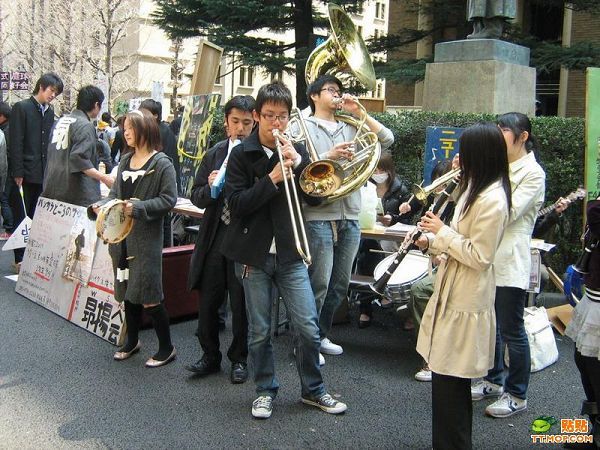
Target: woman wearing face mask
393,192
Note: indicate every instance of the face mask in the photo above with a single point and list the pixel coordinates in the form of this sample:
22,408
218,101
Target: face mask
380,178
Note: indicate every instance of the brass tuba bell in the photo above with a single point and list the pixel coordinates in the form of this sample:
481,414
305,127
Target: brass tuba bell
343,55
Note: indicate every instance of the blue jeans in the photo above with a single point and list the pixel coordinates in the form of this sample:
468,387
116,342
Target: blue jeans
293,285
510,330
333,246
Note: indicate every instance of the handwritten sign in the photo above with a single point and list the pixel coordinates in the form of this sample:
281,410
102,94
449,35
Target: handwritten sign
42,280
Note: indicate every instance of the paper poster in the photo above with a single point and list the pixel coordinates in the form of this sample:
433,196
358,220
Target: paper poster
193,137
80,250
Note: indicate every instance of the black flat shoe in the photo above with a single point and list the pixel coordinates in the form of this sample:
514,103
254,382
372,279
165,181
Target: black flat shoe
203,367
239,373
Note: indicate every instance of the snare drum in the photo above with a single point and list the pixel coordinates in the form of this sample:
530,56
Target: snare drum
112,225
413,267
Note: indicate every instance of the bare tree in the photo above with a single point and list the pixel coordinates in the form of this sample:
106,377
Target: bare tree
79,40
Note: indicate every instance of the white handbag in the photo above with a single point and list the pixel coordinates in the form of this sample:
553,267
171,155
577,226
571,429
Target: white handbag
542,344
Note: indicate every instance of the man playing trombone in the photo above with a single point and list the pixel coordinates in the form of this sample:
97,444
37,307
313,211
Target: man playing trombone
333,230
261,240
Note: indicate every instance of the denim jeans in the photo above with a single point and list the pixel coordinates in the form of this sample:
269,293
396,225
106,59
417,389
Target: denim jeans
510,331
333,246
291,280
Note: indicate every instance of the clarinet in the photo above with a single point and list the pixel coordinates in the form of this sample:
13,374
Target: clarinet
379,285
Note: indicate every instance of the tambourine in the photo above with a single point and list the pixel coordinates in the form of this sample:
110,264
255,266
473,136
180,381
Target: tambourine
112,225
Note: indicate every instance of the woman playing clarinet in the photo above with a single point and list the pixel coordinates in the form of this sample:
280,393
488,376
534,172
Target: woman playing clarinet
458,329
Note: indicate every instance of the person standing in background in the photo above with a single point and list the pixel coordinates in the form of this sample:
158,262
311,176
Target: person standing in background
31,122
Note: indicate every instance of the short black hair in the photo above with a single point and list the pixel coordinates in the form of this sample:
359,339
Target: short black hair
275,92
244,103
106,117
154,107
49,79
88,96
316,86
5,110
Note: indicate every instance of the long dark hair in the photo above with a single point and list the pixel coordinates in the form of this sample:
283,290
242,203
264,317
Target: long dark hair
483,160
518,123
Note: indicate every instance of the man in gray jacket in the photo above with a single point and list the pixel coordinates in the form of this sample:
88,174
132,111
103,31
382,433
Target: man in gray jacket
71,173
333,230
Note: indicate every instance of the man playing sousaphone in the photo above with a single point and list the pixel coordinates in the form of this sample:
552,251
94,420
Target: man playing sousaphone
332,228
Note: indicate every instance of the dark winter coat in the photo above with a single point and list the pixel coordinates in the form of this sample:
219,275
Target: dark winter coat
157,194
211,220
169,144
259,208
398,193
29,137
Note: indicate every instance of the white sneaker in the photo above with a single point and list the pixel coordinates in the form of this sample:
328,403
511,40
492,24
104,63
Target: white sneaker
424,374
329,348
484,389
505,406
262,407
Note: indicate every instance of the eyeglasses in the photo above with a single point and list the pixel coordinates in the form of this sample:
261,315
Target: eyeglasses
332,91
273,117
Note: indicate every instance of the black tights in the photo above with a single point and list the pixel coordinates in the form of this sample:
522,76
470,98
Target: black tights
589,369
160,322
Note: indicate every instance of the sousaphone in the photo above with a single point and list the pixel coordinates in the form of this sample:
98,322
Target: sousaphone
345,56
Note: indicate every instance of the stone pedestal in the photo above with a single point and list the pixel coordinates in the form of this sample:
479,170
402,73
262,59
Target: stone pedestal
480,76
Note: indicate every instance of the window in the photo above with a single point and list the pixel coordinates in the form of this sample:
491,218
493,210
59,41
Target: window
277,76
380,10
218,78
246,76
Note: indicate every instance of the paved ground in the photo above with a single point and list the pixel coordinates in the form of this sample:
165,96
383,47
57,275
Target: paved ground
59,388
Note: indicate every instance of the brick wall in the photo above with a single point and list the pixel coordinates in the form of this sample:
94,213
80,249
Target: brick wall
585,27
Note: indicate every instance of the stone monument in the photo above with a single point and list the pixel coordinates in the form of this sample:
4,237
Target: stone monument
481,75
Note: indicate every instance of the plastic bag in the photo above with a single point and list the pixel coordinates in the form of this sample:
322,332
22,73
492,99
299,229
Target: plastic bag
368,209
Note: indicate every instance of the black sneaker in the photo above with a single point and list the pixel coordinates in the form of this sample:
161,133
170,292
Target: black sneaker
326,403
262,407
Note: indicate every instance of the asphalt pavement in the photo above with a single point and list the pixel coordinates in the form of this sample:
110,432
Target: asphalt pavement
60,388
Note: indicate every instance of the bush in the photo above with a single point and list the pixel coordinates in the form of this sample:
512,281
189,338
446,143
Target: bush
561,154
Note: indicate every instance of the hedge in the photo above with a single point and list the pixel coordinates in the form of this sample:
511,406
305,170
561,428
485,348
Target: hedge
561,154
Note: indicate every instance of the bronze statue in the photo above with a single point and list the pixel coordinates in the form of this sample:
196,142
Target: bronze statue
489,17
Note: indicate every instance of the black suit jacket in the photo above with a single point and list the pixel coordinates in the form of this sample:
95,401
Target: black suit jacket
29,137
212,214
259,208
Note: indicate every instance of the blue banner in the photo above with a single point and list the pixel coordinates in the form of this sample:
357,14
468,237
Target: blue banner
441,143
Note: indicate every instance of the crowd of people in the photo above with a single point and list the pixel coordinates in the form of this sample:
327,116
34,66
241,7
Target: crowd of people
465,311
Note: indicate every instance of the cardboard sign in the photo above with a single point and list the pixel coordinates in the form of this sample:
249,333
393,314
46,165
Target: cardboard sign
55,227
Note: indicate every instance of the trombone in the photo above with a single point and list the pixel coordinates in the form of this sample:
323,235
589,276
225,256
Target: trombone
294,205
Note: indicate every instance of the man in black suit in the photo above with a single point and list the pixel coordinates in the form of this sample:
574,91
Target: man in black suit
260,240
210,272
31,121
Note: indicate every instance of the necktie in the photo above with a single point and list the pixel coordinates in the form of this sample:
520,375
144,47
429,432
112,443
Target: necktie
226,213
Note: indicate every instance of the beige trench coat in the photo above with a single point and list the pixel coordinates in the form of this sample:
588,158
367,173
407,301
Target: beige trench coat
458,330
